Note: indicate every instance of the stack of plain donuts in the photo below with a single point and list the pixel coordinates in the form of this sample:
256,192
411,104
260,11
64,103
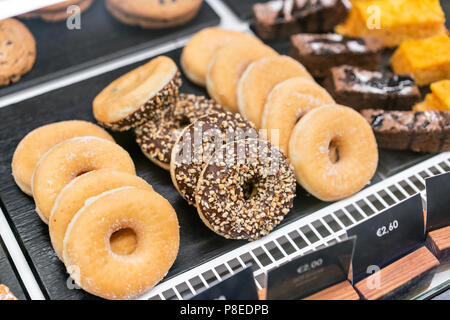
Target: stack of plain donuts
116,236
332,147
187,135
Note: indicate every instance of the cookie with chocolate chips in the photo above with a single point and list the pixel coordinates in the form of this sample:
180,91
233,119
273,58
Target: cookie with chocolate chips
157,138
245,189
154,14
142,94
197,143
17,51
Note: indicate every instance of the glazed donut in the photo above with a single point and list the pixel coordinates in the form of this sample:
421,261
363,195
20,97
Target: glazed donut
200,49
197,143
73,196
87,253
72,158
156,138
140,95
226,68
245,189
333,151
286,104
260,78
36,143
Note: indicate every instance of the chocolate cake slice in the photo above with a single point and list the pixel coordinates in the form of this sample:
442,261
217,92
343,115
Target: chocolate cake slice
364,89
282,18
427,131
320,52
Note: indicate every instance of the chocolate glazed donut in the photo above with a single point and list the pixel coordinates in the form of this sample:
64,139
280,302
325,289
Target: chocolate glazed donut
157,138
197,143
245,189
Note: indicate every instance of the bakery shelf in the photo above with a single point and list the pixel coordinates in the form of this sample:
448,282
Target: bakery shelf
312,232
198,244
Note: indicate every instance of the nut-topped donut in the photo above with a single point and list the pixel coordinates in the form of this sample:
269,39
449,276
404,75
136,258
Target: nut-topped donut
156,138
140,95
245,189
197,143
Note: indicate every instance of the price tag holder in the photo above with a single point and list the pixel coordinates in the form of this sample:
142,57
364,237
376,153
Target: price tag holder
438,215
387,236
390,250
311,273
438,201
240,286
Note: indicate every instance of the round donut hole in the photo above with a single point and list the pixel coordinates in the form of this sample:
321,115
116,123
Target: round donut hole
333,151
249,189
123,241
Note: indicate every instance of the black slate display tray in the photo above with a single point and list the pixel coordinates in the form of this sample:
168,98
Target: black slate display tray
243,9
198,243
8,274
61,51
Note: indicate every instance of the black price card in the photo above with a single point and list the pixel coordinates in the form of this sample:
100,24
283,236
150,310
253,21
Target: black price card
311,273
240,286
387,237
438,201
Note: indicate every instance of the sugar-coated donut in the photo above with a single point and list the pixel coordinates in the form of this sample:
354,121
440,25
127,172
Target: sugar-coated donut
333,151
36,143
260,78
89,258
198,52
226,68
73,196
197,143
156,138
286,104
245,189
72,158
139,95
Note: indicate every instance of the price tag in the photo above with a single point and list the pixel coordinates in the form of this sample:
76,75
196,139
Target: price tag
387,236
438,201
311,273
240,286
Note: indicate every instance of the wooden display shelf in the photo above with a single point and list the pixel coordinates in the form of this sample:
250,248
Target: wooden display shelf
399,273
438,242
340,291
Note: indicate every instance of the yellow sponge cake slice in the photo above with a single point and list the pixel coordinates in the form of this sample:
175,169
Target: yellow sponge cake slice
394,21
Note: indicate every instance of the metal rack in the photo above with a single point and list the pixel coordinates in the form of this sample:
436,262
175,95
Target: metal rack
312,232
